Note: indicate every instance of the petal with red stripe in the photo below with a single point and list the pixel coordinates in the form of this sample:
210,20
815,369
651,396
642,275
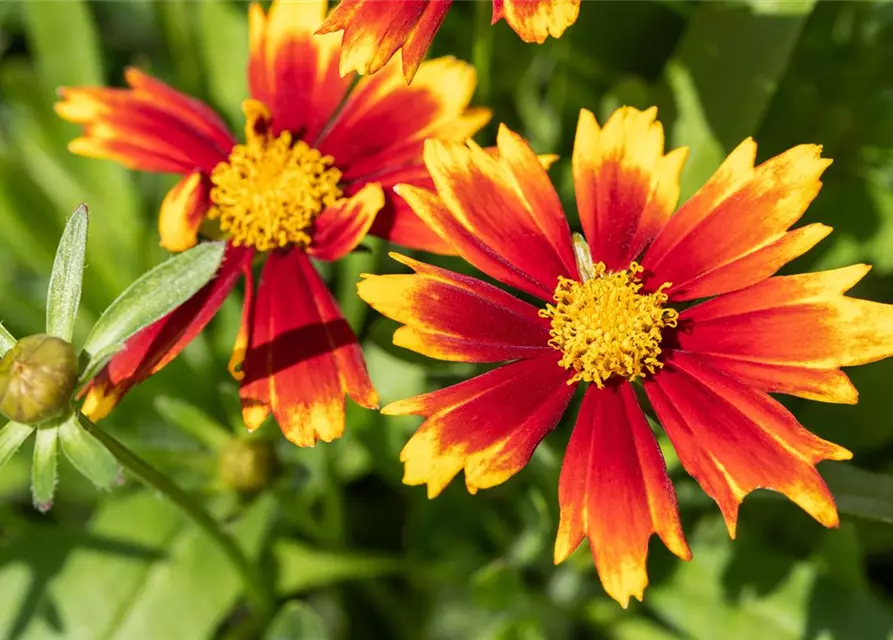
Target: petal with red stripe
489,425
456,317
614,490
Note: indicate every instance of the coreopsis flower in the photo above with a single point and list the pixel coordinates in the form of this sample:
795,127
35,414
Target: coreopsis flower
685,305
310,179
374,30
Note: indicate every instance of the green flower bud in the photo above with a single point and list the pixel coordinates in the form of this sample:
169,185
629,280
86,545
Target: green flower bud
37,378
248,465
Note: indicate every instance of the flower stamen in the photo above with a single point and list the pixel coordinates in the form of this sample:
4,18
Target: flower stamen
270,190
604,326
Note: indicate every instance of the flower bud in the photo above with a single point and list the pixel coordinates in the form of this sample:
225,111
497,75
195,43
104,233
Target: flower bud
37,378
248,465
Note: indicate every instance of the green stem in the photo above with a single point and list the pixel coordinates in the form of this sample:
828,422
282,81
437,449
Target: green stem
482,49
256,589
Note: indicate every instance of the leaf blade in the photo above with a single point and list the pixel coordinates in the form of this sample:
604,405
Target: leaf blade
12,435
64,292
88,456
43,468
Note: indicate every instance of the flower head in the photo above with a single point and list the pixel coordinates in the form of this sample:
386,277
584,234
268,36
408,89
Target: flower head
311,178
374,30
610,314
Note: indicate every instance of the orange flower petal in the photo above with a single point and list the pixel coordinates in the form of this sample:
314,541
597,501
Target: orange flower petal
803,323
302,356
486,218
384,123
733,439
536,20
456,317
374,30
182,212
614,489
292,71
626,186
240,347
342,226
753,211
532,182
752,267
489,425
397,222
154,347
151,126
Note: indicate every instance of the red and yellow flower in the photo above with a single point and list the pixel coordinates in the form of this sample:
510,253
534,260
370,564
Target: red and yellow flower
374,30
614,313
311,178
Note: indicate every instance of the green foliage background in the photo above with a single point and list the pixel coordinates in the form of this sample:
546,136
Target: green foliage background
351,551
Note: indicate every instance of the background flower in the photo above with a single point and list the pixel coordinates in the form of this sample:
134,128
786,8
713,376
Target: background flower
310,179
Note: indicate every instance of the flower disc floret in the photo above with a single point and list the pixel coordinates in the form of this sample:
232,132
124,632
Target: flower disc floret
271,189
604,326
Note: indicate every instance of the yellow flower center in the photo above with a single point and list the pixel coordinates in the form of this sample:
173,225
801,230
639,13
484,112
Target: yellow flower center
603,326
270,190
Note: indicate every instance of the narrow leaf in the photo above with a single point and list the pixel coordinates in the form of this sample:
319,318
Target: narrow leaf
43,469
88,456
302,568
64,293
193,421
297,620
7,342
860,493
153,296
11,438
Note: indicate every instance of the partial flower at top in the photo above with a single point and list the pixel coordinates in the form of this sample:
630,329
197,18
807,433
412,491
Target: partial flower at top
310,179
612,313
374,30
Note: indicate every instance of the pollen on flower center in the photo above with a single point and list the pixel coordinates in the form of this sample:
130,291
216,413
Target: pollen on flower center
604,326
269,191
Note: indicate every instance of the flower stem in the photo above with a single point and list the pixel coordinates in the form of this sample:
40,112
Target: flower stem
256,590
482,49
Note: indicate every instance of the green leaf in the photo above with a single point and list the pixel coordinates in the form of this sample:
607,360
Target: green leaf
140,571
151,297
64,293
192,420
223,38
297,621
7,342
11,438
751,591
88,456
721,94
302,568
65,42
860,493
43,469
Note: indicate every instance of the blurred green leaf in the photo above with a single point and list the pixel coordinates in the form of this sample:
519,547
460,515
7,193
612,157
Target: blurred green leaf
192,420
302,568
64,292
297,621
150,298
7,342
223,38
43,467
860,493
66,45
751,591
140,571
88,456
724,74
12,435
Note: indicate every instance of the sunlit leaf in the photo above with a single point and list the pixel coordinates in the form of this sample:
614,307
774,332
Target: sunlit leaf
12,435
64,294
88,456
43,469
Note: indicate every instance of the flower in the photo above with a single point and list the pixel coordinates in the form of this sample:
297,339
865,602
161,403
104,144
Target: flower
617,315
311,178
374,30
